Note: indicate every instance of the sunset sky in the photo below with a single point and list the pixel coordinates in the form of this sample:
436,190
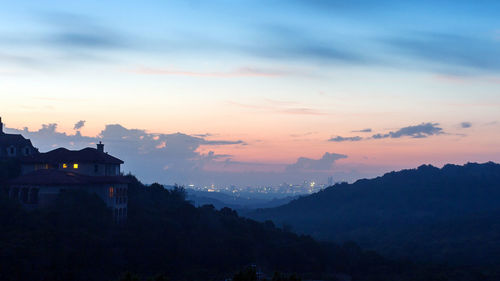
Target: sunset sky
256,92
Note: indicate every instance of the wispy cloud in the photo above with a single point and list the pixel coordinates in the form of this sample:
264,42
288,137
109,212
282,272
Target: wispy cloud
291,108
367,130
240,72
451,53
418,131
302,111
465,125
342,139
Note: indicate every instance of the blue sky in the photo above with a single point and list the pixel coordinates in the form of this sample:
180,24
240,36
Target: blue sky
289,79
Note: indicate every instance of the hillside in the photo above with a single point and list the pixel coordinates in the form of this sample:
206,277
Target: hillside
76,239
449,215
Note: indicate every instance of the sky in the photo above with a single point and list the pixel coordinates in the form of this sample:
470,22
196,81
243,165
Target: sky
256,92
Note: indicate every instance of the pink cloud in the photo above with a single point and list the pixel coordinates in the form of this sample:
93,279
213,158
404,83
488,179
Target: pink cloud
284,107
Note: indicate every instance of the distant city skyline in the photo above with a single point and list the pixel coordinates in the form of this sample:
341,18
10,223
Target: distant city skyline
256,92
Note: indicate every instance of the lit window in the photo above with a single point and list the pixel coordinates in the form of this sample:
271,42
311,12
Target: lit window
111,192
65,166
75,166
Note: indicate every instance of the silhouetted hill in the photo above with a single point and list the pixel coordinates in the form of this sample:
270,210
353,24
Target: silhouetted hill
447,215
76,239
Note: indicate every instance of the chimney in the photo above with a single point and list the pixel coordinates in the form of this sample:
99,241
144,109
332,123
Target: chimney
100,147
1,126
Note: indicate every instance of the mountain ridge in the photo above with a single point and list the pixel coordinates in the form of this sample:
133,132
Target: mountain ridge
423,213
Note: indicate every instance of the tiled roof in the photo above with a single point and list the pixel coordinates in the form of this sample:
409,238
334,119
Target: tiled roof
86,155
14,139
57,177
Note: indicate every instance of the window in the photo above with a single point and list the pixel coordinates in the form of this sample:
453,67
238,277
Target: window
26,151
96,168
75,166
65,166
111,192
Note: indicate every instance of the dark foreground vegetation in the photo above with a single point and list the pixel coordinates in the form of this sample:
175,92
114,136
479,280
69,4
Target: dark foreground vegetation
167,238
449,215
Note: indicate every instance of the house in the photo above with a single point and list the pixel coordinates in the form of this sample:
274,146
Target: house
45,175
14,146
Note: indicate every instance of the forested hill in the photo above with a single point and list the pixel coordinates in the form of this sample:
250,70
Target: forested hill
76,239
447,215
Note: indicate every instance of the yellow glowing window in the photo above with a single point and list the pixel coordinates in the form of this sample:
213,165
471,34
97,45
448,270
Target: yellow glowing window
65,166
75,166
111,192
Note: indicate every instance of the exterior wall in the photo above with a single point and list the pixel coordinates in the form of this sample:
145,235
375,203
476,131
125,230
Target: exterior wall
115,196
90,169
12,151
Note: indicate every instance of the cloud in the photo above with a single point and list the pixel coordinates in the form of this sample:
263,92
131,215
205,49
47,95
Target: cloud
303,134
455,54
79,125
302,111
177,157
325,163
283,107
342,139
72,31
64,38
418,131
240,72
284,42
465,125
47,138
145,154
367,130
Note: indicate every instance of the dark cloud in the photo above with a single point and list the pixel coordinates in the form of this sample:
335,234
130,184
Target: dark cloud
451,51
465,125
67,38
282,42
79,125
341,139
72,31
325,163
418,131
88,39
367,130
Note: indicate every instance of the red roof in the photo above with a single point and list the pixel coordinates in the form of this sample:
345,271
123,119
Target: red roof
57,177
86,155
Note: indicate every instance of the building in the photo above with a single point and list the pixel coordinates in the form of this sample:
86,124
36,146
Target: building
13,146
45,175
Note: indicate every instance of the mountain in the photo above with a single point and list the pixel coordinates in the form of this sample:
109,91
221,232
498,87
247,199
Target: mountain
449,215
76,239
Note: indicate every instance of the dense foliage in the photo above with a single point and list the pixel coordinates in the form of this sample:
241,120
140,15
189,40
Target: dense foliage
76,239
167,238
449,215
